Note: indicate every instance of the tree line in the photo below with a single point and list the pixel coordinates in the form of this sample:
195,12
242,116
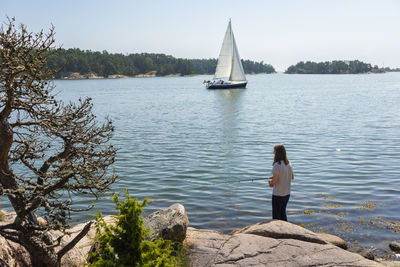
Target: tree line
332,67
105,64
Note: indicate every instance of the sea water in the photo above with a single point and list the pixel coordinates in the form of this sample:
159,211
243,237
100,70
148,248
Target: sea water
179,142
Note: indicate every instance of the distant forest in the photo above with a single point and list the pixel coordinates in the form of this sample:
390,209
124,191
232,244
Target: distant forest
333,67
105,64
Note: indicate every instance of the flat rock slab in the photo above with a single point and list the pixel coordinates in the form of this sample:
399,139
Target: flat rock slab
211,248
390,263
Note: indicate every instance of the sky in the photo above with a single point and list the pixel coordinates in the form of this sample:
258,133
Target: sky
280,33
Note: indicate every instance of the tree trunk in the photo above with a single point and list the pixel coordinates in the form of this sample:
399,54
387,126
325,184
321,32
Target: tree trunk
6,139
40,254
38,262
41,258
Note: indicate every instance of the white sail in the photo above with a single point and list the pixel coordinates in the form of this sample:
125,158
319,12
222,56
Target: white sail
229,65
224,64
237,73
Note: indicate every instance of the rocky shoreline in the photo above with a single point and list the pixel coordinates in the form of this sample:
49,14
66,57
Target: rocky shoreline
79,76
269,243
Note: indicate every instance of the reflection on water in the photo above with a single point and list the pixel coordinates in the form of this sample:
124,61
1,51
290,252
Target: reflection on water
229,105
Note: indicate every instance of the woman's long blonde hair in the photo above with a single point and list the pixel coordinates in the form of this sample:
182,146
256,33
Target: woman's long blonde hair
280,154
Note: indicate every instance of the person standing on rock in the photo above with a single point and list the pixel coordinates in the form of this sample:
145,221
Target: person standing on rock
282,176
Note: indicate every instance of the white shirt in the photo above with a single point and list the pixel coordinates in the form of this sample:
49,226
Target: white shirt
282,188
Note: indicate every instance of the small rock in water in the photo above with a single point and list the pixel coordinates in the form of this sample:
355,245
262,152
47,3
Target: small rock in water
395,247
366,253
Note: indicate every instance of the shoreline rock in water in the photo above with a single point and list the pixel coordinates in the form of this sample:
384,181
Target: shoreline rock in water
270,243
395,247
150,74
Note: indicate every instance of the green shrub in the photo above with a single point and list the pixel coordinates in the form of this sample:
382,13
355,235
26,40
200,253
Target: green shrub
124,244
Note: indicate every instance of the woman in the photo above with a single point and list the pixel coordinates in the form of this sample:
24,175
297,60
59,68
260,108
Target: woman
282,177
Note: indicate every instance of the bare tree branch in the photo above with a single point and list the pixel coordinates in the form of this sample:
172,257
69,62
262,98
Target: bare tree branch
74,241
8,226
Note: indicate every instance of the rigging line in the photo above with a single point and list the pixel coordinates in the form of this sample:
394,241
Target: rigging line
248,180
231,182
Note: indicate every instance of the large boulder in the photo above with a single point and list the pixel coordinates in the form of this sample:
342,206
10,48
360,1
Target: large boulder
264,245
281,230
170,223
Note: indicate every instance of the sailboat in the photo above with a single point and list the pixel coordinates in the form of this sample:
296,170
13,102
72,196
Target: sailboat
229,72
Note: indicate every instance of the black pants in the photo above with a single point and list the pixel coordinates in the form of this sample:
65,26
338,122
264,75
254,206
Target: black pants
279,207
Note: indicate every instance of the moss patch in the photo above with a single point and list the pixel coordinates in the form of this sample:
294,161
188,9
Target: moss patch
368,205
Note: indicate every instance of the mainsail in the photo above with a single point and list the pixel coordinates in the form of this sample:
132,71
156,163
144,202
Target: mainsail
229,65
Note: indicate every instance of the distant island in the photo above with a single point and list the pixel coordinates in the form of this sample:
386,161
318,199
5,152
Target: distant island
79,64
387,69
333,67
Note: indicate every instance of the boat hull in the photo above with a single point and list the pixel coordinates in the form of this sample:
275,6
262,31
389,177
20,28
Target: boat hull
226,85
